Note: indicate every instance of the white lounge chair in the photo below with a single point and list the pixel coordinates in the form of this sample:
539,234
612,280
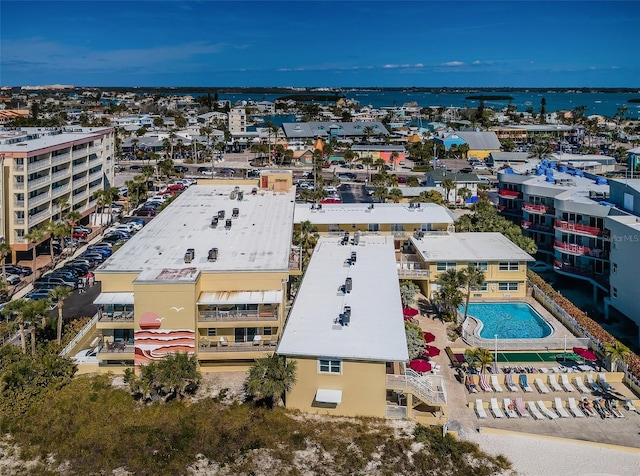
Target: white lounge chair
542,388
546,411
524,384
564,381
484,385
508,381
582,388
522,411
630,406
480,409
533,409
510,408
559,408
495,384
553,383
602,381
592,383
573,408
495,409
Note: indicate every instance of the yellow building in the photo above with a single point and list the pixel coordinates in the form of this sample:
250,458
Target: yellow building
504,263
207,275
346,334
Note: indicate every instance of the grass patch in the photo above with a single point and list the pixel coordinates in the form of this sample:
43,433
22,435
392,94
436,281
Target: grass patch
96,428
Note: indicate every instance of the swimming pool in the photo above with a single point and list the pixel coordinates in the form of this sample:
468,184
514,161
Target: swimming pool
509,320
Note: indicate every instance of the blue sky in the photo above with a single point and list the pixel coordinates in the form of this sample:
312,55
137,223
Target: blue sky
327,43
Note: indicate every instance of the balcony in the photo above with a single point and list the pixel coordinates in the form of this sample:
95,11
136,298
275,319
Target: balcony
410,266
38,217
34,184
510,194
59,159
18,185
18,203
60,174
571,249
39,199
579,271
526,224
56,192
214,344
38,165
18,167
18,221
537,209
577,229
237,315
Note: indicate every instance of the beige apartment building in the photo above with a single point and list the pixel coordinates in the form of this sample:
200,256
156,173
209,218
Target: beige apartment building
43,168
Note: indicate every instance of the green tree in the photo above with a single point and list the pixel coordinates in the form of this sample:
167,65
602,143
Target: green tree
479,356
173,377
464,193
415,339
616,352
448,185
395,194
412,181
269,378
306,236
408,292
72,218
429,196
5,250
449,297
34,236
58,295
472,277
381,193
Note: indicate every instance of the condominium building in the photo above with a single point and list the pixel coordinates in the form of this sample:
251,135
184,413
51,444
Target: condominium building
237,120
208,275
48,171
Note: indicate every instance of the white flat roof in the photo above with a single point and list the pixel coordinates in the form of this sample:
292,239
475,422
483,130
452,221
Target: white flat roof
472,247
46,139
114,298
259,238
334,213
376,328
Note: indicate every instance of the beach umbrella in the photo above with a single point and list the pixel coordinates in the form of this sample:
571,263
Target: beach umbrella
431,351
586,354
409,312
428,337
420,365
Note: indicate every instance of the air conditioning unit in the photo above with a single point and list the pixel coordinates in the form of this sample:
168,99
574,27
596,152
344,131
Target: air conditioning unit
348,285
213,254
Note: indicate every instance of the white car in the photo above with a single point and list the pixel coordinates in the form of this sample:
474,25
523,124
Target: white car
539,266
480,166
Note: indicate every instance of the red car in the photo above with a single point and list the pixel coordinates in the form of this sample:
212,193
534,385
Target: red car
79,235
145,212
402,179
331,200
176,187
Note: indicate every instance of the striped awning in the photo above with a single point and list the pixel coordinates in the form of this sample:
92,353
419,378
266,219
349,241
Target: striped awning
241,297
114,298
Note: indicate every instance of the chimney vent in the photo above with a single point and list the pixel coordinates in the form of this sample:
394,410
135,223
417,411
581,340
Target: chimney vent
214,222
189,255
213,254
221,214
348,285
227,224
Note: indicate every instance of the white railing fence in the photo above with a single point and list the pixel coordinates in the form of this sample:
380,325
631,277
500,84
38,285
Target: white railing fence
83,332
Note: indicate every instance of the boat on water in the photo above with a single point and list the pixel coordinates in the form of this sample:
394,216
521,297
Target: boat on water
528,103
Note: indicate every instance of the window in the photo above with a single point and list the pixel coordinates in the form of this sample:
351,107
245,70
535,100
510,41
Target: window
267,331
445,266
479,265
212,332
397,227
508,266
374,227
329,366
615,292
508,286
484,287
333,227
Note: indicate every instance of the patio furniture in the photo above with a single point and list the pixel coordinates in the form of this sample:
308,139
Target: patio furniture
508,381
557,404
573,408
546,411
542,388
479,407
495,384
630,406
602,381
553,383
592,383
495,409
484,385
524,384
564,381
582,388
522,411
510,408
534,410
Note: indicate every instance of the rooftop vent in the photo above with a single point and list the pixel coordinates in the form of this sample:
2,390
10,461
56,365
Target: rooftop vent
221,214
418,234
214,222
236,189
254,191
235,212
354,257
227,224
189,255
345,318
345,238
213,254
240,196
233,194
356,239
348,285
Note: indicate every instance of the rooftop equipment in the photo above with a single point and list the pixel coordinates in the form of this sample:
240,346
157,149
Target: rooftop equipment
189,255
354,257
221,214
227,224
356,238
213,254
348,285
240,196
214,222
235,212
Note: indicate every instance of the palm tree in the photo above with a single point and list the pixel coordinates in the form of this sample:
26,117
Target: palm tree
430,196
367,161
306,236
72,218
34,236
464,193
473,278
5,250
615,352
15,309
408,292
58,295
396,195
450,296
484,357
269,378
381,193
448,185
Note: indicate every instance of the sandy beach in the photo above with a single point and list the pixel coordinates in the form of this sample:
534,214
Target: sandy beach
543,456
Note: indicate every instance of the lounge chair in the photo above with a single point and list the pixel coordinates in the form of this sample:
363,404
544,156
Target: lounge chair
602,381
630,406
484,385
471,386
495,384
592,383
601,408
557,404
546,410
508,381
480,409
612,405
553,383
533,409
564,381
586,407
542,388
524,384
495,409
522,411
582,388
510,408
573,408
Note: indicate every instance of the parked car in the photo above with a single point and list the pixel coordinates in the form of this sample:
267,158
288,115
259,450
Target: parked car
180,169
331,200
136,167
13,279
253,173
145,212
205,171
539,266
58,281
175,187
227,171
17,269
402,179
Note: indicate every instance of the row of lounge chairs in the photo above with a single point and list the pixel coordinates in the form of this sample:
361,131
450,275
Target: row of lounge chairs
564,385
539,410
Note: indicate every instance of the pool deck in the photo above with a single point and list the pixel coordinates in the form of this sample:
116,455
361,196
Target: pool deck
461,415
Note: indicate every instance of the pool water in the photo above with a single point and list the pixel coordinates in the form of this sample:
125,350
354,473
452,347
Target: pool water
511,320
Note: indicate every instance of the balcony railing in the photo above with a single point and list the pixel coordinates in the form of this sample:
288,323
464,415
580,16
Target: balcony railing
33,219
265,344
240,315
510,194
39,199
571,249
18,168
58,159
18,203
56,192
39,165
33,184
580,271
60,174
537,209
18,185
576,228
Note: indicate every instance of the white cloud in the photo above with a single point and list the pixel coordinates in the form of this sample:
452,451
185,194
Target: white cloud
453,63
390,66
